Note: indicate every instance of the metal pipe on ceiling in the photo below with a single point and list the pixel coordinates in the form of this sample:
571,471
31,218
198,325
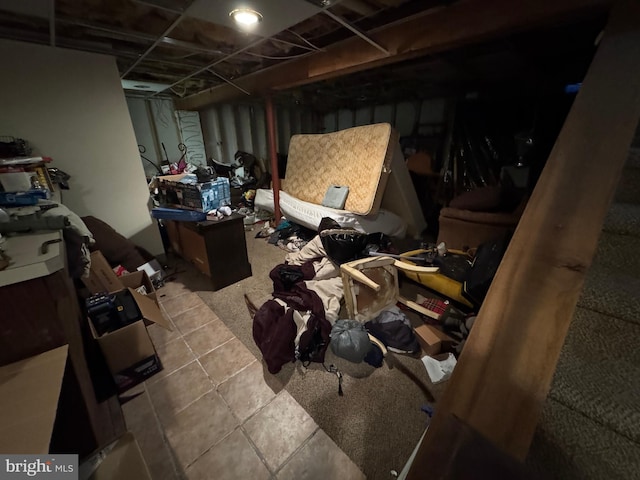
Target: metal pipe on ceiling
173,25
355,30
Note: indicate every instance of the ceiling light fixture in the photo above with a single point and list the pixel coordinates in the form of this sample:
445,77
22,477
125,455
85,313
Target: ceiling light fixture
246,17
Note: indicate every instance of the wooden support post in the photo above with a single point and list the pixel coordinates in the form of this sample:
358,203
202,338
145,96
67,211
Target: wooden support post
505,371
273,155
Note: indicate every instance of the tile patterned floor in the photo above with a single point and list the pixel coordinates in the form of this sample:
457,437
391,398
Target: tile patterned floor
214,412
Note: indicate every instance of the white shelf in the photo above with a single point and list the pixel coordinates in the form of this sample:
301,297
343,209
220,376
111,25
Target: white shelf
26,260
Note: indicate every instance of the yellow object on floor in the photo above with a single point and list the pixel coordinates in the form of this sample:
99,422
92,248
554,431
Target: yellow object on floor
442,284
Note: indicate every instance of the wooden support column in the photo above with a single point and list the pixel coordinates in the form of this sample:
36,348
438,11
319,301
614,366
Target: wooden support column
273,156
505,371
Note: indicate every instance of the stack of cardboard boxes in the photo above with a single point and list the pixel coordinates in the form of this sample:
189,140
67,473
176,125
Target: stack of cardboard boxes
127,348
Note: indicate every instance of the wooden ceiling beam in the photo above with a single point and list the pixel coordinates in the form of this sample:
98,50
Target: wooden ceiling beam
462,23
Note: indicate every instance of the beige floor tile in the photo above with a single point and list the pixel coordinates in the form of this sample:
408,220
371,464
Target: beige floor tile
160,335
208,337
194,318
175,391
320,459
138,412
279,429
176,305
226,360
192,431
232,459
152,444
171,289
249,390
173,355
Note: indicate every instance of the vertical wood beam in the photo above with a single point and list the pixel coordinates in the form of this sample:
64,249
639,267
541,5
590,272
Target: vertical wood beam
505,371
273,155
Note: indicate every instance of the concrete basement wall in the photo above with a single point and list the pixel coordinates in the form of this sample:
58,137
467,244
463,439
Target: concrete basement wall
70,106
402,115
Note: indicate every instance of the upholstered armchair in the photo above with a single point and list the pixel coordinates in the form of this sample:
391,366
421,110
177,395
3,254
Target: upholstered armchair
479,216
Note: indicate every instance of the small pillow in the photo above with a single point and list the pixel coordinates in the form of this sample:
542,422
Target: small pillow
485,199
336,196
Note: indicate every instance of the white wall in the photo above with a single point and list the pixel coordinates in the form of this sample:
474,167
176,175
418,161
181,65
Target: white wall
70,106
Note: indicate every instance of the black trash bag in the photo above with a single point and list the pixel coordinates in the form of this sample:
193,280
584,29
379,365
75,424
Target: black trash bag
341,244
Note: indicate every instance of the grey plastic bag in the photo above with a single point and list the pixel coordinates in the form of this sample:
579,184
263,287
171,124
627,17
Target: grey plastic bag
350,340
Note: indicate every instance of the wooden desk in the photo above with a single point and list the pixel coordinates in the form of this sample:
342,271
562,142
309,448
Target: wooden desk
216,248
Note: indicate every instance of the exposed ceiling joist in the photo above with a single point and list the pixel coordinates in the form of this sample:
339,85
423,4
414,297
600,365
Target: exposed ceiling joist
464,22
357,31
159,40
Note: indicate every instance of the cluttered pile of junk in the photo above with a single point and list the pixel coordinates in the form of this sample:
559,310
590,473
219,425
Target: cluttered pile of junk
30,203
184,191
359,295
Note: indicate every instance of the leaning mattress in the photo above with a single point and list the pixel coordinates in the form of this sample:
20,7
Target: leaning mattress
309,215
358,157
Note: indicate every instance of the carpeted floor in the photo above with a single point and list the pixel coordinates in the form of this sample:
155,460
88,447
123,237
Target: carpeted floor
378,421
590,424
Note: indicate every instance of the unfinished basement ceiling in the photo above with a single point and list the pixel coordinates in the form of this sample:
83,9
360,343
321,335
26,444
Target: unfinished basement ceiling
191,50
188,36
530,63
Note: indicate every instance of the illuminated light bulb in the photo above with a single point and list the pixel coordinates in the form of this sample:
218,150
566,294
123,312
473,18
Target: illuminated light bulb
245,16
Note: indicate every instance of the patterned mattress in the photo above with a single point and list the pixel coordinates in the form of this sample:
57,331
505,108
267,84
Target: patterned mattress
358,157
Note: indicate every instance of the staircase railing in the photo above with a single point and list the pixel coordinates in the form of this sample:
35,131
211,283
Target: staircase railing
505,371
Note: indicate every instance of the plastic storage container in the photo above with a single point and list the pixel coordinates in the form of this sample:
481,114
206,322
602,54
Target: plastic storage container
178,214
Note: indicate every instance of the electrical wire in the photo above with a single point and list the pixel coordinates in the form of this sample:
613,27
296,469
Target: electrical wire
305,40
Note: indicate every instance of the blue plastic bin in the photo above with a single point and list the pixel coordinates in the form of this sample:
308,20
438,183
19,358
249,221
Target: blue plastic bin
178,214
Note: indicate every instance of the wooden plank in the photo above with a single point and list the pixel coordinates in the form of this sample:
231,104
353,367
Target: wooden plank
461,23
504,373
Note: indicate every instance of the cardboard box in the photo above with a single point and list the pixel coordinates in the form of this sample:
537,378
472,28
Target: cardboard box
123,461
29,394
101,278
433,340
173,192
128,351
